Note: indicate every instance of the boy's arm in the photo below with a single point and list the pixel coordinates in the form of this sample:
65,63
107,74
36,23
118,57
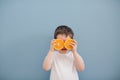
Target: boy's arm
79,63
48,59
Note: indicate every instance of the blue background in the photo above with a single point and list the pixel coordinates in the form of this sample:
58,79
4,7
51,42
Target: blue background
27,27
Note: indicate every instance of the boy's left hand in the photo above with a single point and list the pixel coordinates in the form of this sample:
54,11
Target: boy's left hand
74,45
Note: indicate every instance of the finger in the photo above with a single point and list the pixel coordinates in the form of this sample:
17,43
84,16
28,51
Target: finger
53,41
73,43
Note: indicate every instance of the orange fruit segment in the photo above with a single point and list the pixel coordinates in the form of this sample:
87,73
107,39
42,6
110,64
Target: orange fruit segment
67,44
59,44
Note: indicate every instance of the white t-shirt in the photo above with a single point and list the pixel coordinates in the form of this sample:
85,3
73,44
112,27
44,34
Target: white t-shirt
63,67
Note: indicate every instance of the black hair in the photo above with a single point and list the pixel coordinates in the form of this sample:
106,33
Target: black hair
63,29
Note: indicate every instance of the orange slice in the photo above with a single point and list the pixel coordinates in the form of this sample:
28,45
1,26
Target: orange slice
59,44
67,44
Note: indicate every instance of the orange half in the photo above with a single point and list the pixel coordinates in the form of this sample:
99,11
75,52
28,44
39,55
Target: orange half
67,44
59,44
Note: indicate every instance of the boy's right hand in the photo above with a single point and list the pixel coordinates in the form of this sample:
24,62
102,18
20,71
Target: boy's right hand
52,45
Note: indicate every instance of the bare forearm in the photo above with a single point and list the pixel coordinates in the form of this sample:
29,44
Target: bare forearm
79,61
48,61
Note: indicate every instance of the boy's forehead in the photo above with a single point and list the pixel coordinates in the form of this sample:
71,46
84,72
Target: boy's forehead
62,35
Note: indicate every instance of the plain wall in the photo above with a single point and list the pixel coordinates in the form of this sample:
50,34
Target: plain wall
27,27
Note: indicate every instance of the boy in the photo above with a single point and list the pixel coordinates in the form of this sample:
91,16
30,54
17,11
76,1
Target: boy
63,63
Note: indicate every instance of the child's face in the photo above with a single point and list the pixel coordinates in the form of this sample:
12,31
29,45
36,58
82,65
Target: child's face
63,37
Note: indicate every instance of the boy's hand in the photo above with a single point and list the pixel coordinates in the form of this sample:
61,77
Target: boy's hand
74,45
52,45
